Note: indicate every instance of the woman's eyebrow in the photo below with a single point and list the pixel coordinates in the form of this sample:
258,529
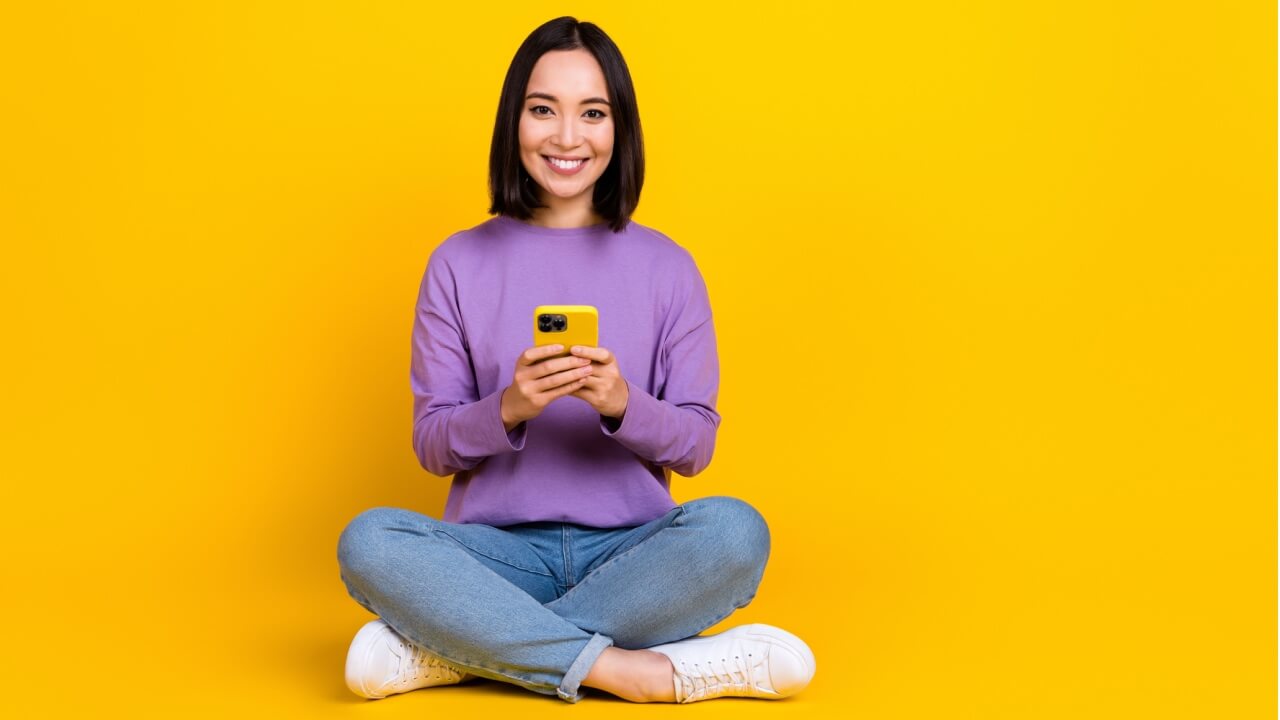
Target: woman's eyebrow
552,98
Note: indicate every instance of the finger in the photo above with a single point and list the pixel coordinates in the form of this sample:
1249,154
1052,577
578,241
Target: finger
568,388
546,367
598,354
538,352
558,379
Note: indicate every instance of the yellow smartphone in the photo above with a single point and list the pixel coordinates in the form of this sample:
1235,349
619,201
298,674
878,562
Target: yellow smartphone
566,325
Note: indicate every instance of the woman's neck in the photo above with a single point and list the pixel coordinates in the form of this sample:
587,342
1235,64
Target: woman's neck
562,214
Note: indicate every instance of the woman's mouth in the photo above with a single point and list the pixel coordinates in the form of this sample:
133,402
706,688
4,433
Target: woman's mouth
564,167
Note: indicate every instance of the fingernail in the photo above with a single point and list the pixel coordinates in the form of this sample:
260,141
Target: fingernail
577,348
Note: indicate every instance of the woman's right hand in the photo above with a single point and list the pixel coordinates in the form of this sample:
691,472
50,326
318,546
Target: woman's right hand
539,379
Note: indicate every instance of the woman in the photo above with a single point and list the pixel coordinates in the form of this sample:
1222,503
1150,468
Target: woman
561,560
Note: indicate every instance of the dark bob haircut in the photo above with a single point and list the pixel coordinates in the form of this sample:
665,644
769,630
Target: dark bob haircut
617,193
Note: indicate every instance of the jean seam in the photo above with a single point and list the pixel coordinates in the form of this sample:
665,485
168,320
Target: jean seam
466,664
508,563
628,551
567,547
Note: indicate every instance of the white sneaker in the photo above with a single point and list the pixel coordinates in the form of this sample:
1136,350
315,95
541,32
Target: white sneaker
381,662
759,661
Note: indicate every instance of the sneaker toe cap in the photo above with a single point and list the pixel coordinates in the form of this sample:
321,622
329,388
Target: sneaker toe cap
370,662
791,662
790,669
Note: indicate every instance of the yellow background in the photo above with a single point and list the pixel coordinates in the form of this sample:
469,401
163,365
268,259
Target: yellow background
1016,443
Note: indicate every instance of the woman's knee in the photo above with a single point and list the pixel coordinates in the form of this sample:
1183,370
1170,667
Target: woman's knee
743,528
364,539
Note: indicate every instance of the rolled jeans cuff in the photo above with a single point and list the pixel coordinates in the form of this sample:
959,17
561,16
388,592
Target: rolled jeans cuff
569,686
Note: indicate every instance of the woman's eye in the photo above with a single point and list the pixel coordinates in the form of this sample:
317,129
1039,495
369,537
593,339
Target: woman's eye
536,108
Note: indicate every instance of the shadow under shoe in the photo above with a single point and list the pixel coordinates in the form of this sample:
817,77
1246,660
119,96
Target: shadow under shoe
381,662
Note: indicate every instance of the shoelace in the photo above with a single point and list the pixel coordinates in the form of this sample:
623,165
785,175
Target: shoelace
418,664
723,676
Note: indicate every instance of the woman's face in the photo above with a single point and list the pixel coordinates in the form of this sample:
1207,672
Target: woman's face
566,114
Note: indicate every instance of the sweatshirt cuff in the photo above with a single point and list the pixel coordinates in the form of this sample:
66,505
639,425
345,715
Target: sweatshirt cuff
493,435
643,411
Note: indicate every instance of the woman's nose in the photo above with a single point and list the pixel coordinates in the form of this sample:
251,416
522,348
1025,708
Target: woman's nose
568,134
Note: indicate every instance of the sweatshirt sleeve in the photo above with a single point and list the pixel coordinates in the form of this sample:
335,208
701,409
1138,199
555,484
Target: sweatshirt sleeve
454,429
677,428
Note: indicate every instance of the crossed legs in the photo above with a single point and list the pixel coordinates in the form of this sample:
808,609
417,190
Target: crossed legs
472,596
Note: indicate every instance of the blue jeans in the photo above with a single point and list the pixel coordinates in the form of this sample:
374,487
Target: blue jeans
535,604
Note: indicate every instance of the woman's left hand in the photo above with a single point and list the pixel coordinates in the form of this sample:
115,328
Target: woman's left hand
604,389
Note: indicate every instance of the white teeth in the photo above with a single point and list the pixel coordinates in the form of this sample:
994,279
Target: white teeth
564,164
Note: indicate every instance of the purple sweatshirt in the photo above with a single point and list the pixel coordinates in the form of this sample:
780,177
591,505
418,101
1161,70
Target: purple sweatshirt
569,464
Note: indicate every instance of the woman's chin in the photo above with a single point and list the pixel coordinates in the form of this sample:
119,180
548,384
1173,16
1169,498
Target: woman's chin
566,193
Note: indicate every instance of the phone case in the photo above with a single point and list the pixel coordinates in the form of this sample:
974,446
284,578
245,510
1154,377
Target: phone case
581,327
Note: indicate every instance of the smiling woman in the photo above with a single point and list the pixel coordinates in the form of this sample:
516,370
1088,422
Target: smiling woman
562,560
567,95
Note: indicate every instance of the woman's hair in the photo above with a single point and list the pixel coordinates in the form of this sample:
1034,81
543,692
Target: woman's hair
617,192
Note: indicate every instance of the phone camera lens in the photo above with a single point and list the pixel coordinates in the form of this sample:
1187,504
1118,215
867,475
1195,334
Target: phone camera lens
560,322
